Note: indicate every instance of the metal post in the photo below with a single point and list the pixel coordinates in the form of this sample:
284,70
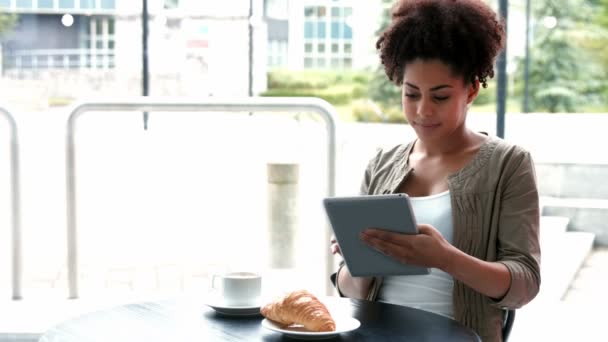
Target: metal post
144,54
250,27
16,207
526,106
248,104
501,80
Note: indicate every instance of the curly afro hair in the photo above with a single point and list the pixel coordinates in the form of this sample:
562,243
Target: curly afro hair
467,35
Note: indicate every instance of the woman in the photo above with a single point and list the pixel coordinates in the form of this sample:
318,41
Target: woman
478,192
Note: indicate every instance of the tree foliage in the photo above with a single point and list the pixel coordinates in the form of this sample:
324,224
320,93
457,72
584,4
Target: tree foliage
7,22
563,72
381,90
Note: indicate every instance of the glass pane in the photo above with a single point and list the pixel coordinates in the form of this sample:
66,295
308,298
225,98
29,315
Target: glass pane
87,43
86,4
108,4
26,62
335,62
45,3
348,62
57,61
335,48
348,11
66,4
74,61
5,3
42,62
99,44
321,30
111,44
308,28
24,4
348,32
335,12
309,12
321,47
111,61
320,62
335,30
347,48
98,27
110,26
308,62
321,11
169,4
308,47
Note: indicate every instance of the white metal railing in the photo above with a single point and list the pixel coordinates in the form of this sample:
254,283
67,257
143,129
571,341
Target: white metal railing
16,206
60,59
145,104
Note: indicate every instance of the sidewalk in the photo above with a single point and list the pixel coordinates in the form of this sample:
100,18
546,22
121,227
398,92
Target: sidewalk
579,316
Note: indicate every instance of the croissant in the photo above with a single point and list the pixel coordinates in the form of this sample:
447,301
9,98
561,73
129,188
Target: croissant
300,307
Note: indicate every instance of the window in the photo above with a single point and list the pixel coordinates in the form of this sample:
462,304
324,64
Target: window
46,4
5,3
86,4
66,4
25,4
171,4
98,40
108,4
308,62
347,48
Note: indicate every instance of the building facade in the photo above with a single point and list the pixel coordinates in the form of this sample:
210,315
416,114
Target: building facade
196,48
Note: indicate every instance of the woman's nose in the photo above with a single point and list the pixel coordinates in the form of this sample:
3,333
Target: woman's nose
425,108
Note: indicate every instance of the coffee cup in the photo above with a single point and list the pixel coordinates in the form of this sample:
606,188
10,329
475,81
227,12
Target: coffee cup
238,288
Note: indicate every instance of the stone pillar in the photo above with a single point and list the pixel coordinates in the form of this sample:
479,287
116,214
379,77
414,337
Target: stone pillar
282,213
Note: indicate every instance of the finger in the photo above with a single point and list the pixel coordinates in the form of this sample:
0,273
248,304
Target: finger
425,229
387,247
386,235
378,234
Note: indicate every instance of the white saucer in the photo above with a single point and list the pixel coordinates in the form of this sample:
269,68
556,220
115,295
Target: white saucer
343,324
218,304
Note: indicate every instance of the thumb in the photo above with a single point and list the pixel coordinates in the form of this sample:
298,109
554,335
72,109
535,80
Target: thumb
425,229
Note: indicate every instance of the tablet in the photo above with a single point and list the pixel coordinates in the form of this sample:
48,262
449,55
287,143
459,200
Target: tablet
349,216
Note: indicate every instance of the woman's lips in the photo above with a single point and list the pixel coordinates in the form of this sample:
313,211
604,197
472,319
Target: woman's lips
427,125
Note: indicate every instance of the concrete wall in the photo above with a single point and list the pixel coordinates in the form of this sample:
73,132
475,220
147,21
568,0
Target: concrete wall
579,192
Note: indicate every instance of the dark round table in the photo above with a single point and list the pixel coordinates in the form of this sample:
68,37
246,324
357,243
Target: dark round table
190,320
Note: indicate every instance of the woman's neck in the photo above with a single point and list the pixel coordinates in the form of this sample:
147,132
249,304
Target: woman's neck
456,143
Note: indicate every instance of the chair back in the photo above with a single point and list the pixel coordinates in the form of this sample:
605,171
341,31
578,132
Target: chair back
508,324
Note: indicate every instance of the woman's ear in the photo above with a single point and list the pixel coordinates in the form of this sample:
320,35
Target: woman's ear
473,91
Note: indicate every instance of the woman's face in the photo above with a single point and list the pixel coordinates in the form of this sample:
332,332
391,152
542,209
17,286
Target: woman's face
435,101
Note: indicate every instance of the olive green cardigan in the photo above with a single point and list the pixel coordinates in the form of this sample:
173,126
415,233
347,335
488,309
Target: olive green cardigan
495,213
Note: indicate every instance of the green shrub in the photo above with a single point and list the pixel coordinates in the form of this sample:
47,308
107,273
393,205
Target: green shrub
486,95
368,111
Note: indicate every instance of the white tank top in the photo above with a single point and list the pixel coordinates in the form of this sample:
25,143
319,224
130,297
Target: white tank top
432,292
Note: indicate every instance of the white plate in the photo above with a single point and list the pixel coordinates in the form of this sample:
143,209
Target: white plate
217,303
343,324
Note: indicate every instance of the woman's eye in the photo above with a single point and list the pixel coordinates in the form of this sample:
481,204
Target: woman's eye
411,96
441,98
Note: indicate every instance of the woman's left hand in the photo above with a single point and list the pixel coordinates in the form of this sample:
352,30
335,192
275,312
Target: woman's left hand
428,248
